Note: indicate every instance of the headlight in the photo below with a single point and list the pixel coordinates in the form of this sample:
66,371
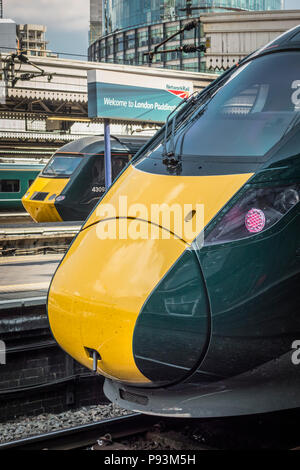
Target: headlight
60,198
255,220
257,210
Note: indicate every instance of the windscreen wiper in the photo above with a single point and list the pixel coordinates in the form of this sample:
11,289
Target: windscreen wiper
196,98
170,159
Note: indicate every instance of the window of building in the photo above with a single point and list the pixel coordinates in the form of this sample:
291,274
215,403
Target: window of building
9,186
189,34
190,55
130,40
119,59
102,49
119,43
142,60
172,29
130,58
110,46
157,58
172,55
156,35
191,66
142,38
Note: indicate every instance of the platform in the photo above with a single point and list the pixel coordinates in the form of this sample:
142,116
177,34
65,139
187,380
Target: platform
24,280
33,238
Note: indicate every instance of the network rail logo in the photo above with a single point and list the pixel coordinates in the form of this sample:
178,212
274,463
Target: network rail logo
149,222
2,353
182,92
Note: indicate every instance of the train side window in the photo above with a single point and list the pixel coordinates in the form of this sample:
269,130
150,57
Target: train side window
97,170
9,186
30,183
118,163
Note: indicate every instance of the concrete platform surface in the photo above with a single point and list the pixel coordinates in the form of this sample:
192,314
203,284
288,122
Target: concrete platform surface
25,279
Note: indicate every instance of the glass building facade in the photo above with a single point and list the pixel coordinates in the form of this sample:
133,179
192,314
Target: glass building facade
120,14
132,27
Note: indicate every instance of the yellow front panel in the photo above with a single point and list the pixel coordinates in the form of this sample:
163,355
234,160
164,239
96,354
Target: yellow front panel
44,211
98,292
150,189
100,287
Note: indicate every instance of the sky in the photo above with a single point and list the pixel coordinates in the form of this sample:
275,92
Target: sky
292,4
67,21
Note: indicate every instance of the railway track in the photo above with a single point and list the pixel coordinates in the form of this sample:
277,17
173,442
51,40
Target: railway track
33,238
144,432
86,435
15,217
131,432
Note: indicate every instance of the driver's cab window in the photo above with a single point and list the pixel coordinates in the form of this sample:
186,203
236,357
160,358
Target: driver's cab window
263,98
250,100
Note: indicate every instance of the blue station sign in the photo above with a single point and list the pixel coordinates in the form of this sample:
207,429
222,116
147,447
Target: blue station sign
119,95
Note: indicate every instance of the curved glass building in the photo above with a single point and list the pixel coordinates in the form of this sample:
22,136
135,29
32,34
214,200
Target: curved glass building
120,14
132,27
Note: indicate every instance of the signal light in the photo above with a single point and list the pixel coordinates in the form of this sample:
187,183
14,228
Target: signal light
255,220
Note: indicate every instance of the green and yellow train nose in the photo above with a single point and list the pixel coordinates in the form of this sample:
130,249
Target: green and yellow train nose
140,303
98,292
39,201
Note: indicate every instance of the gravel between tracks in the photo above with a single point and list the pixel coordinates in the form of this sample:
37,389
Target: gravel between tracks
47,422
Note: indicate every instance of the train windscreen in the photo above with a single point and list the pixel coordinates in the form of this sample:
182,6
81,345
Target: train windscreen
246,116
62,165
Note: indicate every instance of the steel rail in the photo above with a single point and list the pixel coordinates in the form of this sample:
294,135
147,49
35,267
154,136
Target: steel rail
84,435
39,229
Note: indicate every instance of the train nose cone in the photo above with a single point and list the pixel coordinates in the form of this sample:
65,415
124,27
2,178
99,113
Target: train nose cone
99,291
139,302
172,331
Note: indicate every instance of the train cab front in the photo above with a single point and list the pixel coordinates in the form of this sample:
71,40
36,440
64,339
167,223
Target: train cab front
130,291
47,194
172,281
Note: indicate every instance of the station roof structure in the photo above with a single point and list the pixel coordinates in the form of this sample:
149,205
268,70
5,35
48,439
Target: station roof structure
65,96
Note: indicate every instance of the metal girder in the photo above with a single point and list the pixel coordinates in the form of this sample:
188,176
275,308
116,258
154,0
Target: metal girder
44,108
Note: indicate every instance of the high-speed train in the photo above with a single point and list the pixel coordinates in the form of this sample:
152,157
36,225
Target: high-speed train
71,183
200,323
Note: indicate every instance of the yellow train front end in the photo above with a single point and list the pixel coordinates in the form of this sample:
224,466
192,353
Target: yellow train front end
118,260
181,288
39,201
43,197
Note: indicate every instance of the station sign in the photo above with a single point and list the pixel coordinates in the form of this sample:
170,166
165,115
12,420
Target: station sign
134,97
